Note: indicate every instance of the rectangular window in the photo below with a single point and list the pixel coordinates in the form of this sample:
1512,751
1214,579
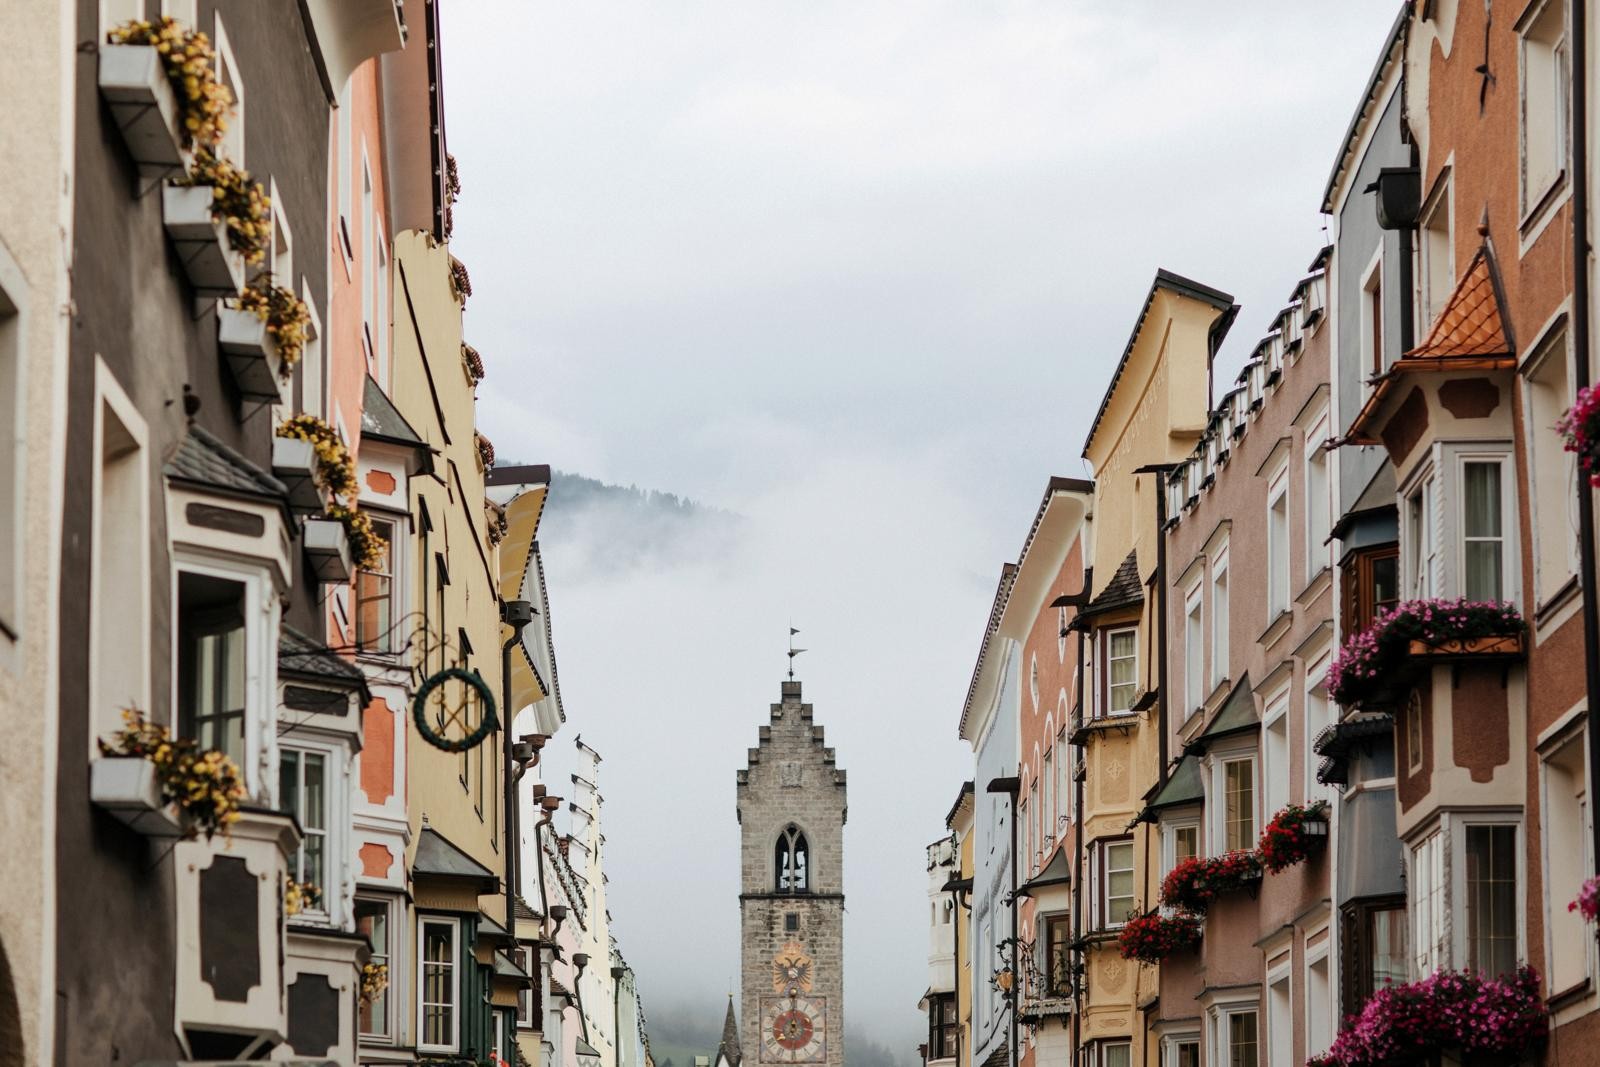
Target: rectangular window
1063,775
375,595
1219,618
1122,669
1047,812
1483,538
1318,717
1036,830
1058,957
1242,1050
372,919
1318,501
313,375
303,792
1437,246
381,323
1552,470
1491,903
1278,546
1544,100
211,663
1275,752
1117,890
345,179
438,992
1319,1004
1421,554
369,267
942,1026
1371,578
1429,907
1239,804
1372,317
1194,650
1115,1054
1280,1019
1025,829
1566,819
119,643
1373,949
1184,1052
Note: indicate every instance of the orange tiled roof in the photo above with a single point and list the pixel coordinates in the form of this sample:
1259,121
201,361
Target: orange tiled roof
1471,323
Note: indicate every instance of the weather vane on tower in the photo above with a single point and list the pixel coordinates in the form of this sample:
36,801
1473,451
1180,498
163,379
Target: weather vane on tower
793,652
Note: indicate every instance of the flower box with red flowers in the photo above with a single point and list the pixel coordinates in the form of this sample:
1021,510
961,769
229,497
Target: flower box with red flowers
1152,938
1376,665
1194,883
1292,835
1476,1019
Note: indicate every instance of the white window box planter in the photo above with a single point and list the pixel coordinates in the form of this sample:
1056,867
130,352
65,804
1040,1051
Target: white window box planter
213,267
252,354
134,83
327,550
294,463
127,788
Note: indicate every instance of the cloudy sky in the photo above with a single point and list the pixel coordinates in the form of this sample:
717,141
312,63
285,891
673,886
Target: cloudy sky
857,272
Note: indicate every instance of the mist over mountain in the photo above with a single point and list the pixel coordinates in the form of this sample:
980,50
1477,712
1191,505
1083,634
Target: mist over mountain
685,1030
610,529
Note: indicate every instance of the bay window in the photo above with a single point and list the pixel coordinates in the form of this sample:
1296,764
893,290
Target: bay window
1483,530
438,991
1058,957
1234,1036
1234,782
1421,551
375,594
1430,948
1372,949
303,790
1491,898
211,663
1456,525
1115,870
941,1026
1464,897
1113,1054
1180,840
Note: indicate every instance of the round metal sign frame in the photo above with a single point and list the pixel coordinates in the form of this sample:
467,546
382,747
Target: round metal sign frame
419,710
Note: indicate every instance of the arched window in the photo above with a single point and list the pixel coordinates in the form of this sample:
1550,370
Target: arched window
791,861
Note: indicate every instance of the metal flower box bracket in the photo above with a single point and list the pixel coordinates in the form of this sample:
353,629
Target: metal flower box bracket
1497,646
251,353
126,787
294,463
213,267
327,550
133,81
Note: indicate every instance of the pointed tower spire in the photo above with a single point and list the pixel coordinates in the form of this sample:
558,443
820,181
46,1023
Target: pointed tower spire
728,1051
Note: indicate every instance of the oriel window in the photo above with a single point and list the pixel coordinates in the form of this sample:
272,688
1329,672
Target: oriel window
211,655
375,596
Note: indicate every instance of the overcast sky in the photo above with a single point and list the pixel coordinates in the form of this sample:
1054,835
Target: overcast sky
858,272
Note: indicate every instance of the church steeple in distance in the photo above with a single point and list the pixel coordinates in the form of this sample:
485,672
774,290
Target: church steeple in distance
728,1054
791,810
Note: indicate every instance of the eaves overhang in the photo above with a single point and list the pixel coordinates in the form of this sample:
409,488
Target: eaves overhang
1393,50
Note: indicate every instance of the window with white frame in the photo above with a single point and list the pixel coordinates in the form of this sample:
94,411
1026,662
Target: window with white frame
1117,898
182,10
1194,650
1490,904
1428,906
1372,355
1113,1054
1319,999
1181,1050
1063,772
344,181
280,262
119,574
373,919
1275,751
1552,470
1219,617
231,145
1436,279
439,984
1280,1017
305,789
1318,717
1234,783
1180,840
1420,540
375,594
114,13
1318,490
1025,828
1569,949
381,299
213,697
313,373
1121,669
1047,812
1483,540
369,269
1278,544
1545,99
1234,1037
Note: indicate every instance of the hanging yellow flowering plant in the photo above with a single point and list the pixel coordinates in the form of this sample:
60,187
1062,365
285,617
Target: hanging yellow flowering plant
298,896
286,315
190,64
366,545
237,200
336,468
206,785
374,980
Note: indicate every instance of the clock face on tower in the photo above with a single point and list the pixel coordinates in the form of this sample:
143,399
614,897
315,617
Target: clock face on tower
794,1029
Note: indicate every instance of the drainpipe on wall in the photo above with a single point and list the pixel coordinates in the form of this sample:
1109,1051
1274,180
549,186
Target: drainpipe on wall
1077,869
1582,368
516,614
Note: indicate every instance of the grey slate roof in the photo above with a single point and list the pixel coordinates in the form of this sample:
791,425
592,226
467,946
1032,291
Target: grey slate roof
1056,872
523,911
437,857
1124,589
1238,713
381,420
1183,787
302,657
204,460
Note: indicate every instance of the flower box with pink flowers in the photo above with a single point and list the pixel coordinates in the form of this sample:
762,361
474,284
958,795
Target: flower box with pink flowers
1377,665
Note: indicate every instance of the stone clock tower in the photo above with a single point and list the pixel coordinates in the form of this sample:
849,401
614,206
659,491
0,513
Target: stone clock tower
791,903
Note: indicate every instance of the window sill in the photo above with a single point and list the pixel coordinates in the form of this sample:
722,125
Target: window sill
1314,588
1555,602
1568,996
1542,209
1276,629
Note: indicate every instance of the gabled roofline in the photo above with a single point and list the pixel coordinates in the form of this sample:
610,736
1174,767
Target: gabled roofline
1393,49
1174,283
1008,574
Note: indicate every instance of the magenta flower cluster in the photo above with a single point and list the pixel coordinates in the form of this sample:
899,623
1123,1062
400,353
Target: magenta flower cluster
1447,1010
1372,660
1580,426
1588,901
